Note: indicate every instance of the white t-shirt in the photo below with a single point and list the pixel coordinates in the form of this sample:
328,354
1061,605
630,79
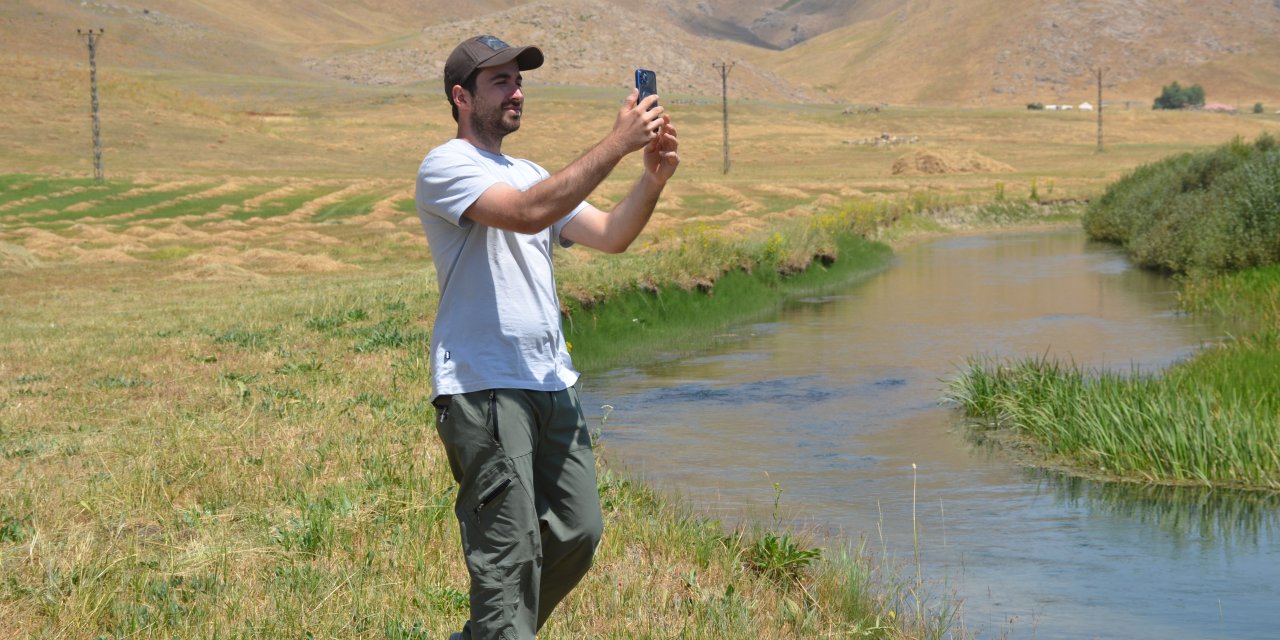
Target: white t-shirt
498,325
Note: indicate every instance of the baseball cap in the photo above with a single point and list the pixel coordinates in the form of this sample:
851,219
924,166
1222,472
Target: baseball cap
485,51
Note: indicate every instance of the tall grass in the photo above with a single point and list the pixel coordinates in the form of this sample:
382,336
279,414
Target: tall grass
730,283
1179,428
1212,420
1211,211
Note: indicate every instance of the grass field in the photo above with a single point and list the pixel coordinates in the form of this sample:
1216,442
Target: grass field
212,390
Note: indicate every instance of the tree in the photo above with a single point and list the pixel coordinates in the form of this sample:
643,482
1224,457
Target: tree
1174,96
1258,108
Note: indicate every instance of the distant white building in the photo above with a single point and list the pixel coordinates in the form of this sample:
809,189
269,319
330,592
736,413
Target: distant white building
1051,107
1066,107
1085,106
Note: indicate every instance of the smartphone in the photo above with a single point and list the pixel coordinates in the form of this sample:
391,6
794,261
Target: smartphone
647,83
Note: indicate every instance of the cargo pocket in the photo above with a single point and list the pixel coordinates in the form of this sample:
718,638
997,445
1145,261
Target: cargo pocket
499,534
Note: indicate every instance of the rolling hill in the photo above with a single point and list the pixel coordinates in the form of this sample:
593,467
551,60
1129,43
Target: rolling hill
904,51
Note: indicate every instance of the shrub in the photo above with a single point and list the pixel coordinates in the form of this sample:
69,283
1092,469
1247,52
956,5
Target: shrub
1207,212
1258,108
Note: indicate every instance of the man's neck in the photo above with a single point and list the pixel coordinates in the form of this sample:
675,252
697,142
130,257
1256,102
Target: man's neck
483,143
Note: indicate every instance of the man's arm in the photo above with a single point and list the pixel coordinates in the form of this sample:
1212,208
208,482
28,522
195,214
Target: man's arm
505,207
613,232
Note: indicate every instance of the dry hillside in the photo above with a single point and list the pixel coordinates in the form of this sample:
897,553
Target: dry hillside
904,51
1001,52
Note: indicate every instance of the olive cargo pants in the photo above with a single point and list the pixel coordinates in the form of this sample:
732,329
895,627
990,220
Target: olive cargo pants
527,506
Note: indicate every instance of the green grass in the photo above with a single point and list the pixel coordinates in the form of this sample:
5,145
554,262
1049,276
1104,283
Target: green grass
60,199
1211,420
209,463
109,206
14,187
1210,212
202,206
354,206
407,206
678,319
286,204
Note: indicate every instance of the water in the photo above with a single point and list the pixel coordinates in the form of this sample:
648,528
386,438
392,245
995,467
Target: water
840,397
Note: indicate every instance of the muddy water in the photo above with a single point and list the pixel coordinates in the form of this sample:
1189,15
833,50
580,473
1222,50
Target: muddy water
838,402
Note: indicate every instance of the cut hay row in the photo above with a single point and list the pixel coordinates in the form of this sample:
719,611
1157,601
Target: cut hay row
126,199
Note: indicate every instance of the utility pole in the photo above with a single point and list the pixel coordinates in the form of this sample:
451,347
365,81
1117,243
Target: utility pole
91,38
1098,73
724,68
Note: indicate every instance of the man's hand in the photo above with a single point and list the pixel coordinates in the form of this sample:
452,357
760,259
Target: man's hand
638,123
660,157
613,232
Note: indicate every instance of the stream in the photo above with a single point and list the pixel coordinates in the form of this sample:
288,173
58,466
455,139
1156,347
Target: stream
838,401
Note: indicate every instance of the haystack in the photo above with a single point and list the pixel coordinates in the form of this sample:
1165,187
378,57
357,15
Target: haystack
940,162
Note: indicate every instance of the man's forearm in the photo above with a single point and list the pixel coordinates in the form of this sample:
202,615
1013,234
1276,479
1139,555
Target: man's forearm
552,198
630,216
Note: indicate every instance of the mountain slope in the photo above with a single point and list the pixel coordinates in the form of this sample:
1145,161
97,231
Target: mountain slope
897,51
994,51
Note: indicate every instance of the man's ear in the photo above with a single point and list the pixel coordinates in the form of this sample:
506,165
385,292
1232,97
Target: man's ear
460,95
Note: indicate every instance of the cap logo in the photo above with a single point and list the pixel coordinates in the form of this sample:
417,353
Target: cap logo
493,43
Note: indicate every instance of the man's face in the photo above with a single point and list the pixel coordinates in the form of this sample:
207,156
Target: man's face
498,102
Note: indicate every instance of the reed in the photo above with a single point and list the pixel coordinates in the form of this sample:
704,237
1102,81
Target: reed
1211,420
1176,428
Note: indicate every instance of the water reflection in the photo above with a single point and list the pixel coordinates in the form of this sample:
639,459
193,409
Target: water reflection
838,402
1189,517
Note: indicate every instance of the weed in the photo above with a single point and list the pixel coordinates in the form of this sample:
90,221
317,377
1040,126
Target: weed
780,558
331,323
14,528
246,338
119,382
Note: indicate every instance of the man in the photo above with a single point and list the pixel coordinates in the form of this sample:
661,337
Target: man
503,384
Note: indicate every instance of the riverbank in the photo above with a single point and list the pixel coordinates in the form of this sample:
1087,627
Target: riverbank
1209,421
252,456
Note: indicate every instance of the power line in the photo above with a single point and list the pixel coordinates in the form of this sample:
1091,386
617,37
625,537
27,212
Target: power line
91,38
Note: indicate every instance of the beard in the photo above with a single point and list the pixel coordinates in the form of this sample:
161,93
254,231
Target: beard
493,122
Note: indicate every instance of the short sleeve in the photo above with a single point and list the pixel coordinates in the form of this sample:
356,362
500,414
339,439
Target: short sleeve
560,225
448,183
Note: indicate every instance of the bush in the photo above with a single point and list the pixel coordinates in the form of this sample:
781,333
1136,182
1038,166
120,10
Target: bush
1258,108
1208,212
1174,96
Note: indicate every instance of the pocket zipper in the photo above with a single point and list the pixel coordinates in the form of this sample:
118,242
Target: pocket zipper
492,494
